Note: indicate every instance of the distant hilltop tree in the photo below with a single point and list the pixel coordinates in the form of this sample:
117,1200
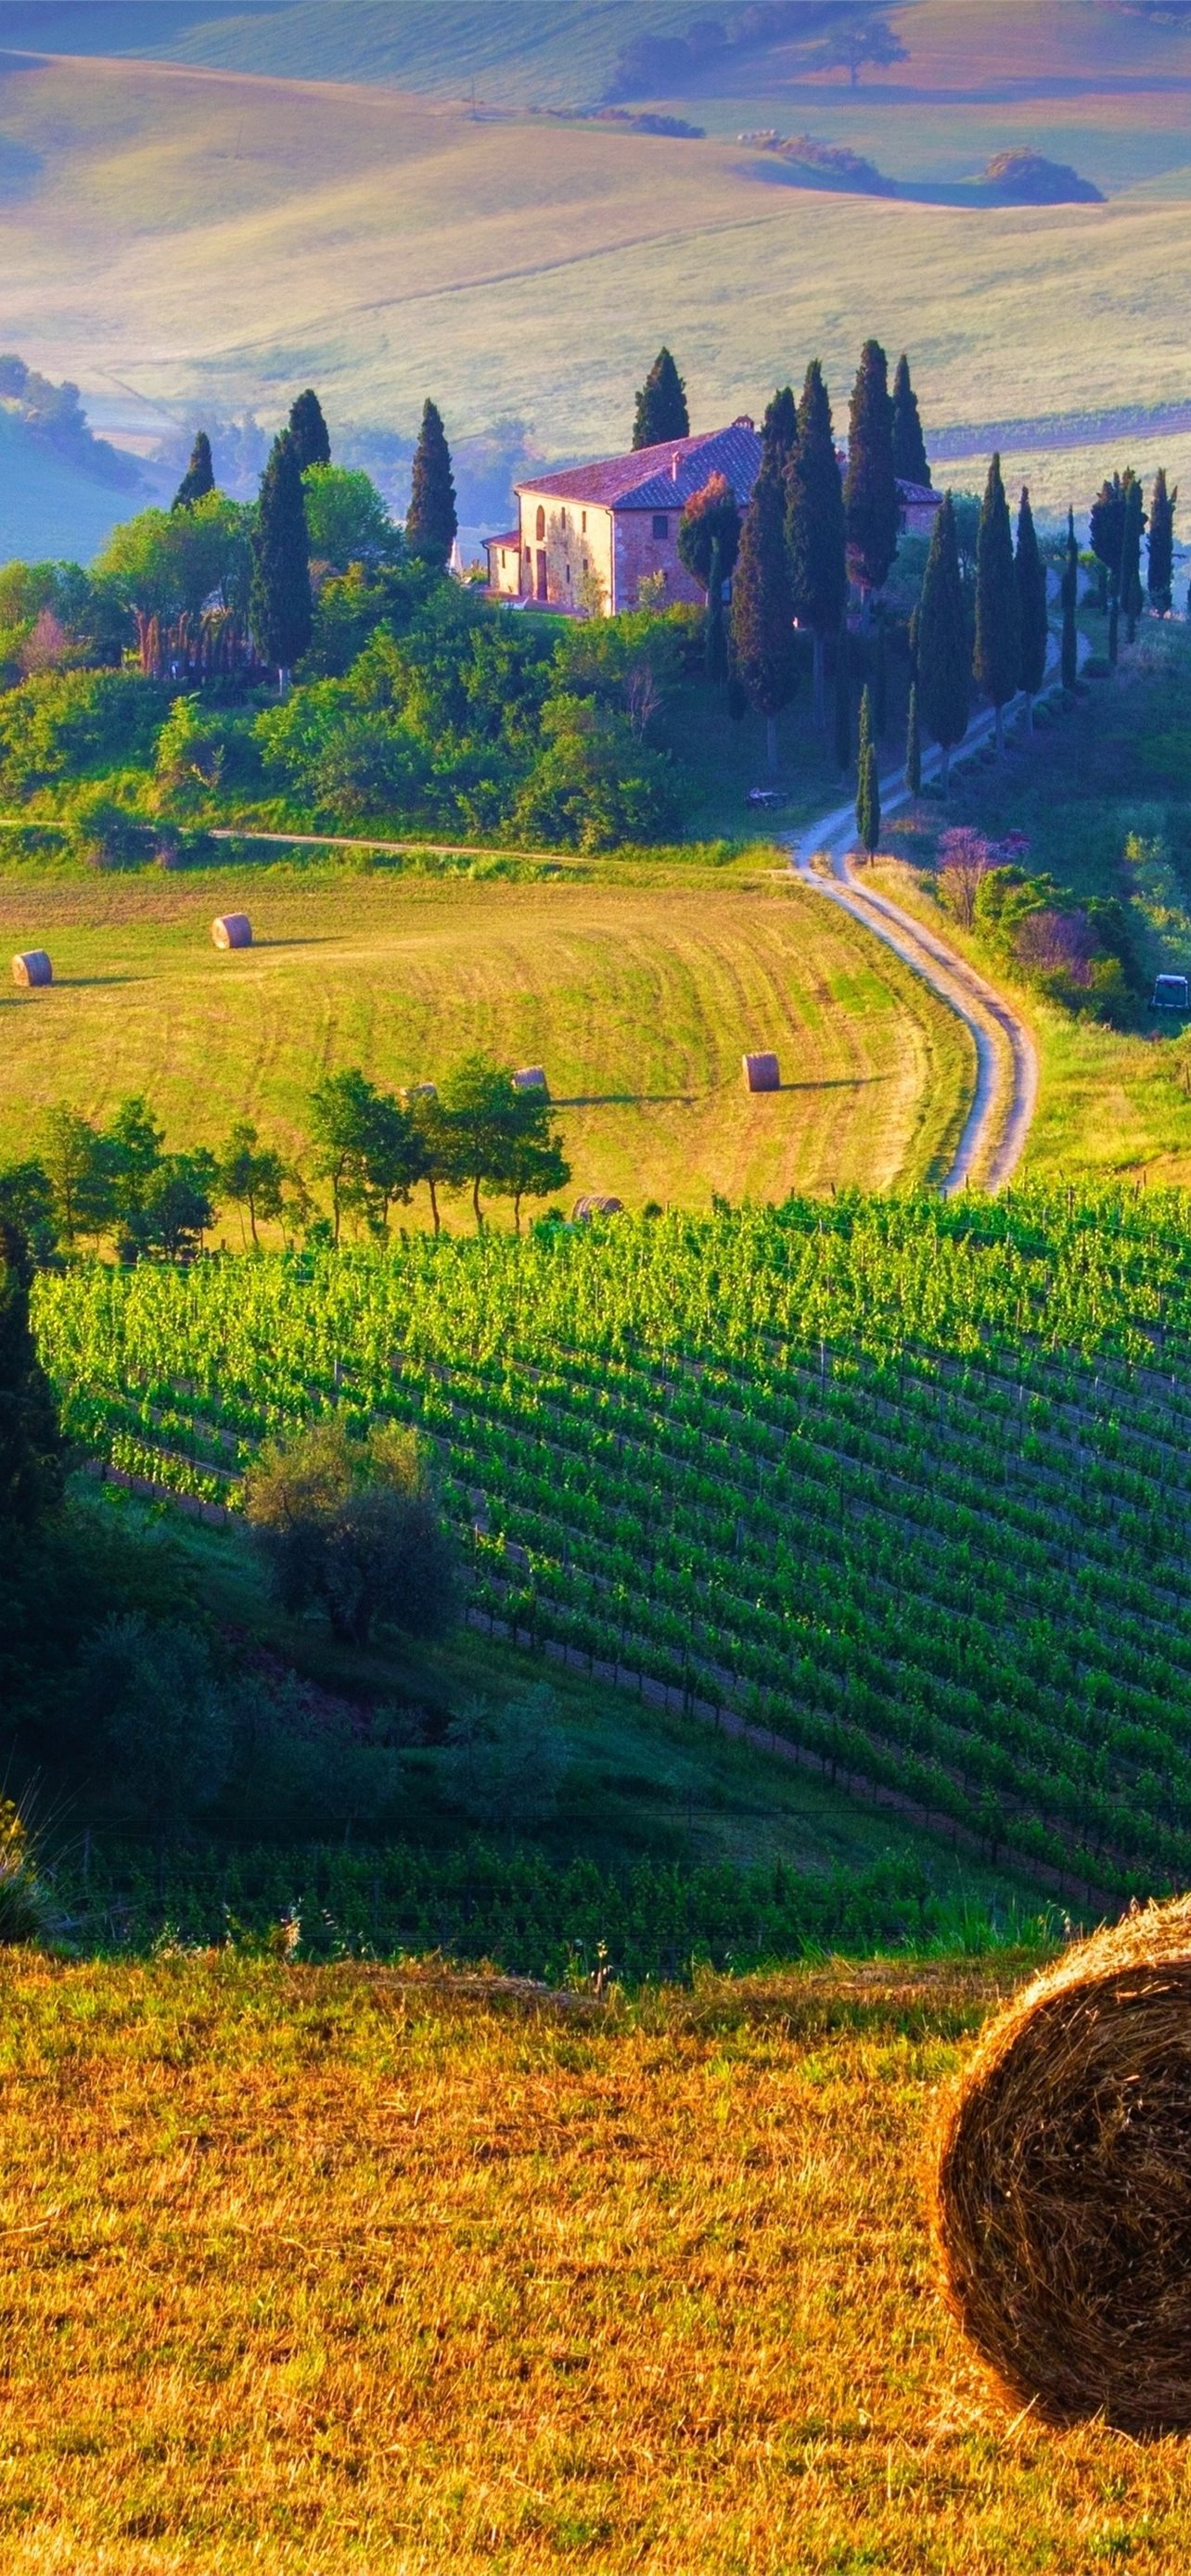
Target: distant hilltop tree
1029,179
199,478
431,523
309,431
661,405
861,39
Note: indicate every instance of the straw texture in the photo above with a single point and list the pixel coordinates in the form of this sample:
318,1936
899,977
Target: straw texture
1062,2194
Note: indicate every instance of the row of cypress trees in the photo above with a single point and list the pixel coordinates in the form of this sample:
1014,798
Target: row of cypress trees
1011,629
279,602
808,528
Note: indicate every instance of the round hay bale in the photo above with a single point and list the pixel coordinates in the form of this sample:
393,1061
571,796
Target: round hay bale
761,1072
592,1205
1062,2201
232,930
531,1077
32,966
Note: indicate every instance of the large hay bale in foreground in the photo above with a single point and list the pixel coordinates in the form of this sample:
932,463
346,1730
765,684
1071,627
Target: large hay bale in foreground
1062,2205
232,930
31,967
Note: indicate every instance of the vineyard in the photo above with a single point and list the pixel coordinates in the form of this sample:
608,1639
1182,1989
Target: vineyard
904,1483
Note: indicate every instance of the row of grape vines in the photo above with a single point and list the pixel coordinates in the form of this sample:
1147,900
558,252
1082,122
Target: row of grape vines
905,1482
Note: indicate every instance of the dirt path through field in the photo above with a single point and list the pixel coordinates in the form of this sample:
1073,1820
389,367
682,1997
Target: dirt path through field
998,1121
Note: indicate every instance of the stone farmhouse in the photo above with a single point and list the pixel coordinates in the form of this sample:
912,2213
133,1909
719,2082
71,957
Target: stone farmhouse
599,529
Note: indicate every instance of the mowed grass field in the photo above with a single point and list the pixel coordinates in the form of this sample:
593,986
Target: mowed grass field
639,1001
188,237
314,2271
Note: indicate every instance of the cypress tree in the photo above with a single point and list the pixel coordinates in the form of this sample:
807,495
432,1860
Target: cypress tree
199,478
1069,663
880,684
913,747
1106,527
779,429
943,660
308,430
1160,571
815,526
1114,628
762,612
870,493
1134,522
997,658
868,785
1033,629
843,700
279,595
431,524
661,412
909,446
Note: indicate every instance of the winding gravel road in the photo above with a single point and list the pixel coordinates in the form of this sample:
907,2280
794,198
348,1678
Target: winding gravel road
1006,1089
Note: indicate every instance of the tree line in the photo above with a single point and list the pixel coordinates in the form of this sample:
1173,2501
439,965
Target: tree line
370,1151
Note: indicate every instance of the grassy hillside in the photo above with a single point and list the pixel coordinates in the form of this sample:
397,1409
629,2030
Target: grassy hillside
162,240
320,2271
638,1000
1112,1102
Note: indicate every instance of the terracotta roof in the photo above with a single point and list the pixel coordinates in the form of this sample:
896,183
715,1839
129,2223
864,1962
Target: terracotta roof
919,495
661,478
511,537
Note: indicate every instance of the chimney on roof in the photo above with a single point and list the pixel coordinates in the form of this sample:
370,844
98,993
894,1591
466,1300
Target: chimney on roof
674,467
743,421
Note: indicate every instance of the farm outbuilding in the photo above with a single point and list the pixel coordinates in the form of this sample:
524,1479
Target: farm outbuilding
232,930
593,1205
31,966
761,1073
1170,993
530,1077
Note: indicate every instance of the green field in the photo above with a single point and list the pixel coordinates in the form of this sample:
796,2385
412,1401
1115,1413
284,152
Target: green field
1112,1103
162,252
901,1482
638,1000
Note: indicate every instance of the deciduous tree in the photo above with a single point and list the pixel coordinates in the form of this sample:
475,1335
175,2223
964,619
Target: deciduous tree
708,545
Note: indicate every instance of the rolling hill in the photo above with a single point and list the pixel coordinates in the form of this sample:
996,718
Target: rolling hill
182,237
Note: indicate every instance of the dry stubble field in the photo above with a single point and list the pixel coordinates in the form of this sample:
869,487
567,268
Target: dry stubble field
639,1002
308,2271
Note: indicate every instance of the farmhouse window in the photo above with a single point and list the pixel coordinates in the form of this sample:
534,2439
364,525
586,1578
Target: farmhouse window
661,524
541,523
583,517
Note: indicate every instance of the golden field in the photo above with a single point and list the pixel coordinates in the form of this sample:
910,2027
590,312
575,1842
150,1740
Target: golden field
639,1000
308,2271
